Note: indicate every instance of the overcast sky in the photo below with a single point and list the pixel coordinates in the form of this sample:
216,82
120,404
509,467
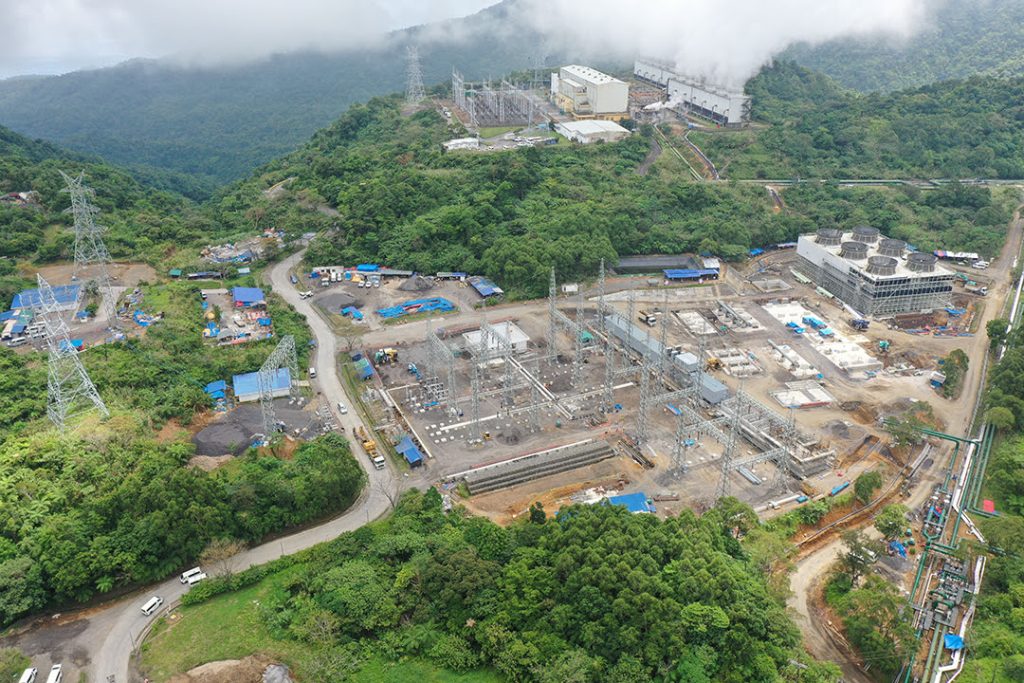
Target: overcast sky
56,36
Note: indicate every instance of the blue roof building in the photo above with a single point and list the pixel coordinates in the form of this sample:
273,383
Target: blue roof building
248,296
484,287
634,502
247,386
66,297
407,449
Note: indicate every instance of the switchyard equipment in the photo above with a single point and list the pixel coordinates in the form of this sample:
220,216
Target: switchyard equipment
487,105
871,274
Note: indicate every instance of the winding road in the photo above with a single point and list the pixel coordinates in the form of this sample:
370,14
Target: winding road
107,635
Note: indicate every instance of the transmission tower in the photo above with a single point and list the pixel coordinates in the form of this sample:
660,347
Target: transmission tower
414,76
727,456
552,321
90,252
281,358
577,357
68,387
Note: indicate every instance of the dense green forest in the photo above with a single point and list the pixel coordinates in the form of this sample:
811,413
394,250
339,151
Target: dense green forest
110,506
954,129
140,218
595,594
962,38
196,128
512,215
82,515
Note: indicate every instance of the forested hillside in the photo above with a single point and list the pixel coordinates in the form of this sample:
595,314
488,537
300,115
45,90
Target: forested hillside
595,594
964,38
140,219
514,214
954,129
217,124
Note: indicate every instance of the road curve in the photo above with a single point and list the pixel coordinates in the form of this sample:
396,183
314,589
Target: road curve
112,644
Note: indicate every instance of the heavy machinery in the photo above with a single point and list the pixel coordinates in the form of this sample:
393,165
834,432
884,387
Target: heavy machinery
883,346
385,355
713,364
859,324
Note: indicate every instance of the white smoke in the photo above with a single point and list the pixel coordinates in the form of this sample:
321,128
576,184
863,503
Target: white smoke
725,41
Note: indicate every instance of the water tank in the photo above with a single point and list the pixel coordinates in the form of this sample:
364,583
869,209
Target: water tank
866,234
855,251
920,262
882,265
829,237
891,247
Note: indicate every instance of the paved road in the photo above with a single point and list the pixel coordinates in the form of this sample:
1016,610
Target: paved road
107,635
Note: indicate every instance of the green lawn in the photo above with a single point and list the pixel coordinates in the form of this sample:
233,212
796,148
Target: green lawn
495,131
230,626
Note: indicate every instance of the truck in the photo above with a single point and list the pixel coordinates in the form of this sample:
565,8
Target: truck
650,319
980,290
370,446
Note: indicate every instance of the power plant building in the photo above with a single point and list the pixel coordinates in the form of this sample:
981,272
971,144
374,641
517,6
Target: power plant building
873,274
723,105
587,93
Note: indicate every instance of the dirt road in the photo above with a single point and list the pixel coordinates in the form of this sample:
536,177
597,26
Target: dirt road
812,568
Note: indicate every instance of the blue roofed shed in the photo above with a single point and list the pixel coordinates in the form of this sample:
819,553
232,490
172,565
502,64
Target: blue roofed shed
66,297
484,287
248,296
634,502
247,386
363,369
410,452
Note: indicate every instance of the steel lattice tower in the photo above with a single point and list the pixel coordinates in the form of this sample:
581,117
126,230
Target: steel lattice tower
552,320
90,251
727,456
68,387
414,93
283,356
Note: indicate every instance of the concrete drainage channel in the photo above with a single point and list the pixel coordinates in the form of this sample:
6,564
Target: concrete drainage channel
534,466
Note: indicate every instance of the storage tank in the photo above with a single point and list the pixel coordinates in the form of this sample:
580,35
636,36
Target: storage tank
891,247
854,251
921,262
866,234
829,237
882,265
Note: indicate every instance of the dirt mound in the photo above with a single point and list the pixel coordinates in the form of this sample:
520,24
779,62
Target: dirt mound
416,283
252,669
335,301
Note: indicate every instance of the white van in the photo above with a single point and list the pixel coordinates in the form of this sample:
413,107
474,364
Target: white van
342,409
152,604
196,578
312,373
29,676
185,576
18,341
55,674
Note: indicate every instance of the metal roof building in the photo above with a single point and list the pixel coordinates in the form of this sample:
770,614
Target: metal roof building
408,450
248,296
583,91
508,331
590,131
656,263
66,296
247,386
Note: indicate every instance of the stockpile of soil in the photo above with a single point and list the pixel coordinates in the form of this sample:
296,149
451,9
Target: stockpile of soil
253,669
335,301
416,283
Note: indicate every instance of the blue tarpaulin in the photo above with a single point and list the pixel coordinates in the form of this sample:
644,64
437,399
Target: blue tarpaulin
484,287
634,502
363,369
219,385
367,267
688,273
953,642
898,547
756,252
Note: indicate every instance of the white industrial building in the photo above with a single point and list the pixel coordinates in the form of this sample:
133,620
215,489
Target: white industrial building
508,332
586,132
727,106
588,93
872,274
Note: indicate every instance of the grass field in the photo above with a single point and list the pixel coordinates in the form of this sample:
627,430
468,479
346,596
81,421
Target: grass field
231,627
498,130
